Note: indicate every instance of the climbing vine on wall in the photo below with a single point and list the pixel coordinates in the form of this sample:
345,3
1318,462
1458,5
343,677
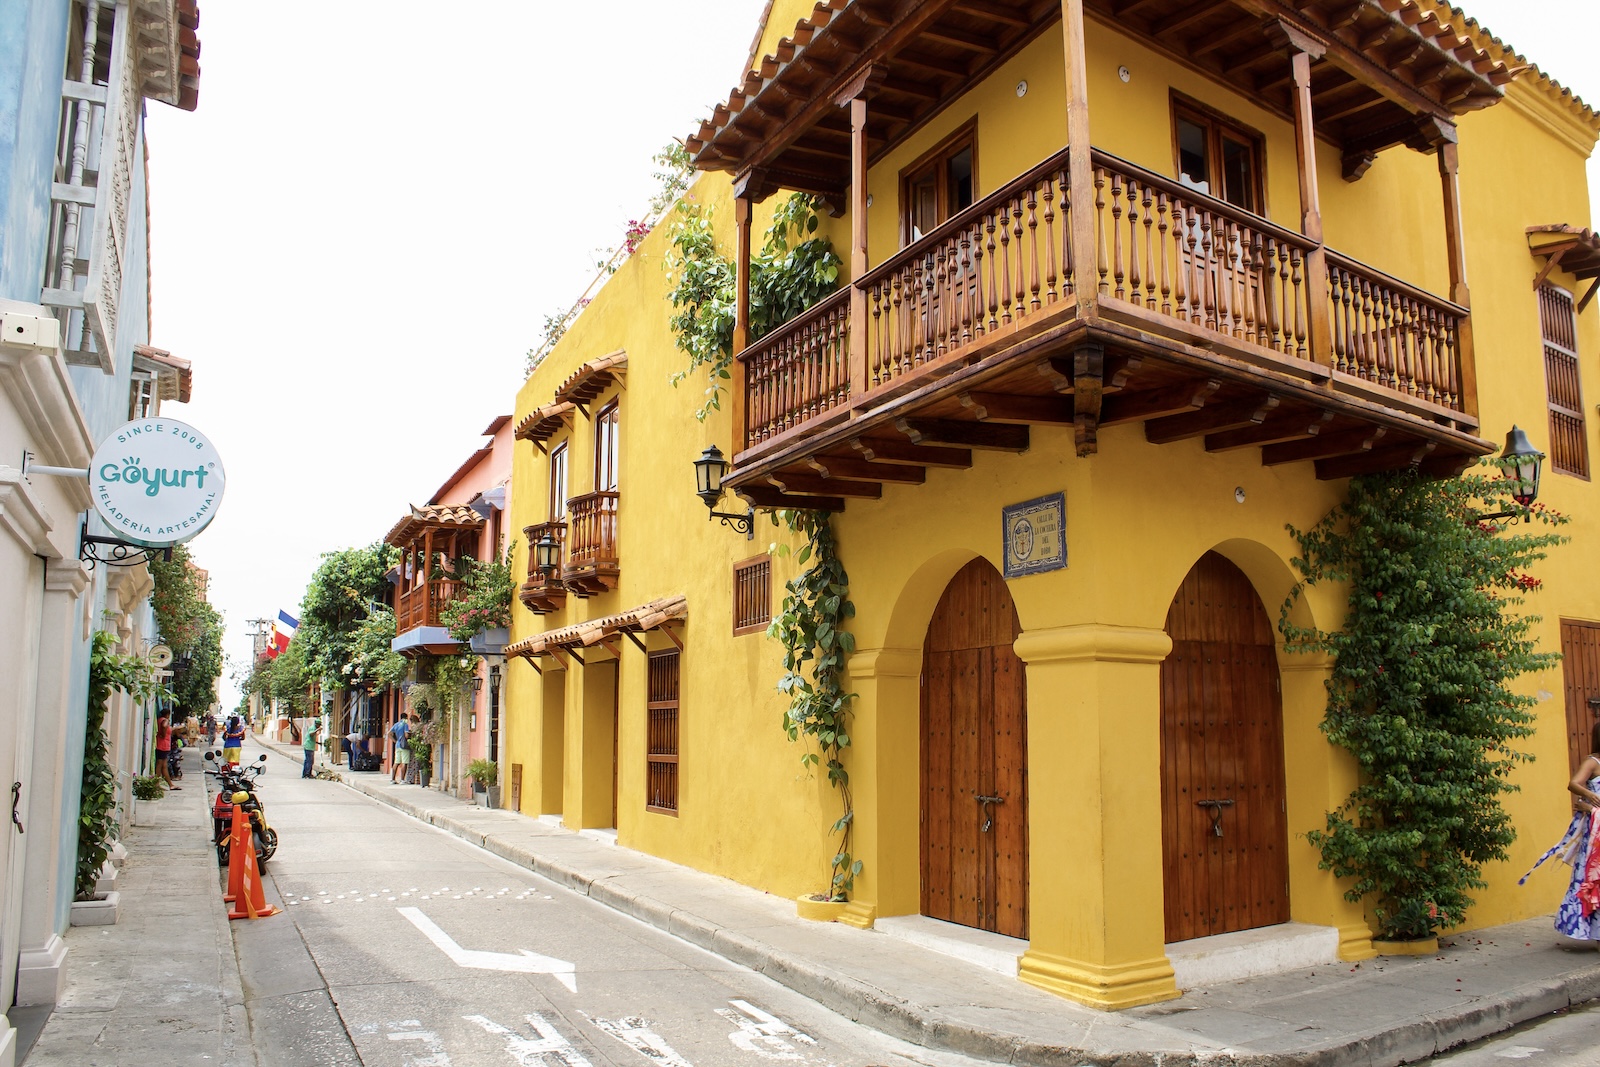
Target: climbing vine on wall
810,627
1421,692
792,271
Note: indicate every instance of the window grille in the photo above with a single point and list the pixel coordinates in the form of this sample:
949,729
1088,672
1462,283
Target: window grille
661,784
752,595
1569,446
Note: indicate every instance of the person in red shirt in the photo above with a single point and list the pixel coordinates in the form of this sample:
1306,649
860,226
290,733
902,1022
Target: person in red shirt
164,750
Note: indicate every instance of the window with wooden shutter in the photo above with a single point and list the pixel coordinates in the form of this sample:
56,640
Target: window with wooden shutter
1569,445
752,595
661,766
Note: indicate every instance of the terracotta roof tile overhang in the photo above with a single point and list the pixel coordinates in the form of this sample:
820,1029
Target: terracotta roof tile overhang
1392,72
167,50
420,520
174,376
592,379
543,423
653,615
1574,250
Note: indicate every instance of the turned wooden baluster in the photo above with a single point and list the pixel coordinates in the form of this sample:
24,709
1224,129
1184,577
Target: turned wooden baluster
1101,265
994,284
1150,280
1180,230
1067,287
1135,288
1004,225
938,303
1118,267
1050,294
1033,248
1258,291
1163,210
1209,294
1299,305
1019,302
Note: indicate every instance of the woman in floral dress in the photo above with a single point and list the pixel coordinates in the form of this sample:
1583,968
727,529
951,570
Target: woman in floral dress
1577,916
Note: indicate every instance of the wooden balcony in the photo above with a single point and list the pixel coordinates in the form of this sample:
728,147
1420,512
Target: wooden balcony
1204,321
543,593
591,565
424,605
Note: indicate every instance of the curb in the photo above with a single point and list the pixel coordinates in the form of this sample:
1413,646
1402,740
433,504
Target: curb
1426,1036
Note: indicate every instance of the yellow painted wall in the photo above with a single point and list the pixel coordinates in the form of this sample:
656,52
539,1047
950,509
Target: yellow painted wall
1138,517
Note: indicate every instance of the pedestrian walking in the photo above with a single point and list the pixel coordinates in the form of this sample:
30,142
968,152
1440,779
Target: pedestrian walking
312,732
1576,916
164,751
233,740
400,731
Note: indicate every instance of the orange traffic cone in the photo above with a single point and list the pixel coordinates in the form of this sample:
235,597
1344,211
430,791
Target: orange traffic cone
245,891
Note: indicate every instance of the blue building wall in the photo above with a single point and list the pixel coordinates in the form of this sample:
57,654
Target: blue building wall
33,50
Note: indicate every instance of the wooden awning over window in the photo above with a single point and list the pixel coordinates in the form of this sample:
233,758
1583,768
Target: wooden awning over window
592,379
1392,69
420,520
543,423
657,614
1568,248
174,376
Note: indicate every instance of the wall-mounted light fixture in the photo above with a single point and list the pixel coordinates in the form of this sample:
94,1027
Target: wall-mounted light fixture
1524,469
709,470
547,554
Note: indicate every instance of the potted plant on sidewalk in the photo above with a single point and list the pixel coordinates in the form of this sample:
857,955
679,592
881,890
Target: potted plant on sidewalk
421,757
484,775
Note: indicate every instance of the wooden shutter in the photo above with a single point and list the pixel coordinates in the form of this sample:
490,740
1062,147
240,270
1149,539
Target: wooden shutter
1569,444
661,768
752,595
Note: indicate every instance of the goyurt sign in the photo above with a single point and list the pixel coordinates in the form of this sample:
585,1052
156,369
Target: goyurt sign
157,482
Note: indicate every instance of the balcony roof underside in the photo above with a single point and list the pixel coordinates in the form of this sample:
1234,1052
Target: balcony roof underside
1180,391
1393,73
447,518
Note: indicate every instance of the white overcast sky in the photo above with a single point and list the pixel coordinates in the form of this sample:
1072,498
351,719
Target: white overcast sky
356,236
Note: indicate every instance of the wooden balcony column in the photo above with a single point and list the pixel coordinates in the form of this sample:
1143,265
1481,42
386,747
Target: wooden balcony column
1449,179
854,97
1088,363
1303,50
741,317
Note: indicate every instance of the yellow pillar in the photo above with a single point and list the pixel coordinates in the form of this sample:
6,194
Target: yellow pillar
883,763
1097,931
1318,777
549,788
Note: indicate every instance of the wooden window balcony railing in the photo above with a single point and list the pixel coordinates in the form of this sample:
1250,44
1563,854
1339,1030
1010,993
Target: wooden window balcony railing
424,605
592,565
543,593
1168,260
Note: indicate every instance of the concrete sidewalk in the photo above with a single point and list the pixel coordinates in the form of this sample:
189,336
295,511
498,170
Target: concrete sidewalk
1379,1012
161,986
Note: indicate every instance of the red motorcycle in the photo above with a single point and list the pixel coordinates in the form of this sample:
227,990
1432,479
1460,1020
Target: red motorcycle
235,785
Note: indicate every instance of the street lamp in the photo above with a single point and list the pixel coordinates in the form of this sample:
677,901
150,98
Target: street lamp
709,470
547,554
1524,464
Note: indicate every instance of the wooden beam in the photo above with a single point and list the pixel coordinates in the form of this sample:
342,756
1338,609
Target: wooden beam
1551,263
1593,286
1184,17
996,436
1002,407
995,12
669,630
952,41
1345,442
1291,427
1248,411
817,485
851,467
1154,403
1221,38
1379,459
1117,371
631,636
770,496
878,450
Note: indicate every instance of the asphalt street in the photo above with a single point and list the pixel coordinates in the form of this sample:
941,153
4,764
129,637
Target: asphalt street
1571,1039
401,946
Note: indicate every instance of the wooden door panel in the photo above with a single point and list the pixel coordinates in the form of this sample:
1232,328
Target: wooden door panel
1221,739
974,742
1580,679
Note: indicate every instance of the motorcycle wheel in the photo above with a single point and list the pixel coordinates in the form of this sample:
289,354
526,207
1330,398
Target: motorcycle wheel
271,846
222,855
262,852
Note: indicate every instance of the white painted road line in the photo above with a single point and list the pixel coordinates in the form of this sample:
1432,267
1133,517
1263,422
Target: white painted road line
637,1035
761,1033
525,962
532,1052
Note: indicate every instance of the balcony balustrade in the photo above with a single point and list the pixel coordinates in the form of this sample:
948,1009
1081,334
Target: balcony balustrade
543,593
424,605
591,565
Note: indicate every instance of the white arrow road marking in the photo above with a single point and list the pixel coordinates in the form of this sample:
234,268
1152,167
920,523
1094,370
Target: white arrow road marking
411,1030
534,1052
636,1034
526,962
761,1033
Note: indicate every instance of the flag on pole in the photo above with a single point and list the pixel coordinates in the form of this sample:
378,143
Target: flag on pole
283,631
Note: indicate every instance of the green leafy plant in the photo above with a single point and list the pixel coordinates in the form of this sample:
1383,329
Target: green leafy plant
484,772
190,627
484,601
792,271
148,787
97,797
421,749
374,664
810,627
1421,691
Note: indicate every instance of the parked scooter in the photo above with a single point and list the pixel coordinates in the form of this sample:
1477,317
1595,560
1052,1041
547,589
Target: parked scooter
236,786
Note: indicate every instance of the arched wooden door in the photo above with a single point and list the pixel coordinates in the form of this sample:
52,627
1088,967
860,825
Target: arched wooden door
975,758
1224,837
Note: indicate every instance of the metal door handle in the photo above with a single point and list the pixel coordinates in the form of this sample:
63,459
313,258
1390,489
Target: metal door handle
988,819
16,798
1216,807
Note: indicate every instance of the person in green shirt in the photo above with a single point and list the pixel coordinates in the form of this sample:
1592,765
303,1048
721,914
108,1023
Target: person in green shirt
312,731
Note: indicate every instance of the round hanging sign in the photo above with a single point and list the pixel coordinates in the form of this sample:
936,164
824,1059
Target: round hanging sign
156,482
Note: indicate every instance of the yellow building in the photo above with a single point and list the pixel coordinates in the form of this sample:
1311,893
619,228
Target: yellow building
1130,287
